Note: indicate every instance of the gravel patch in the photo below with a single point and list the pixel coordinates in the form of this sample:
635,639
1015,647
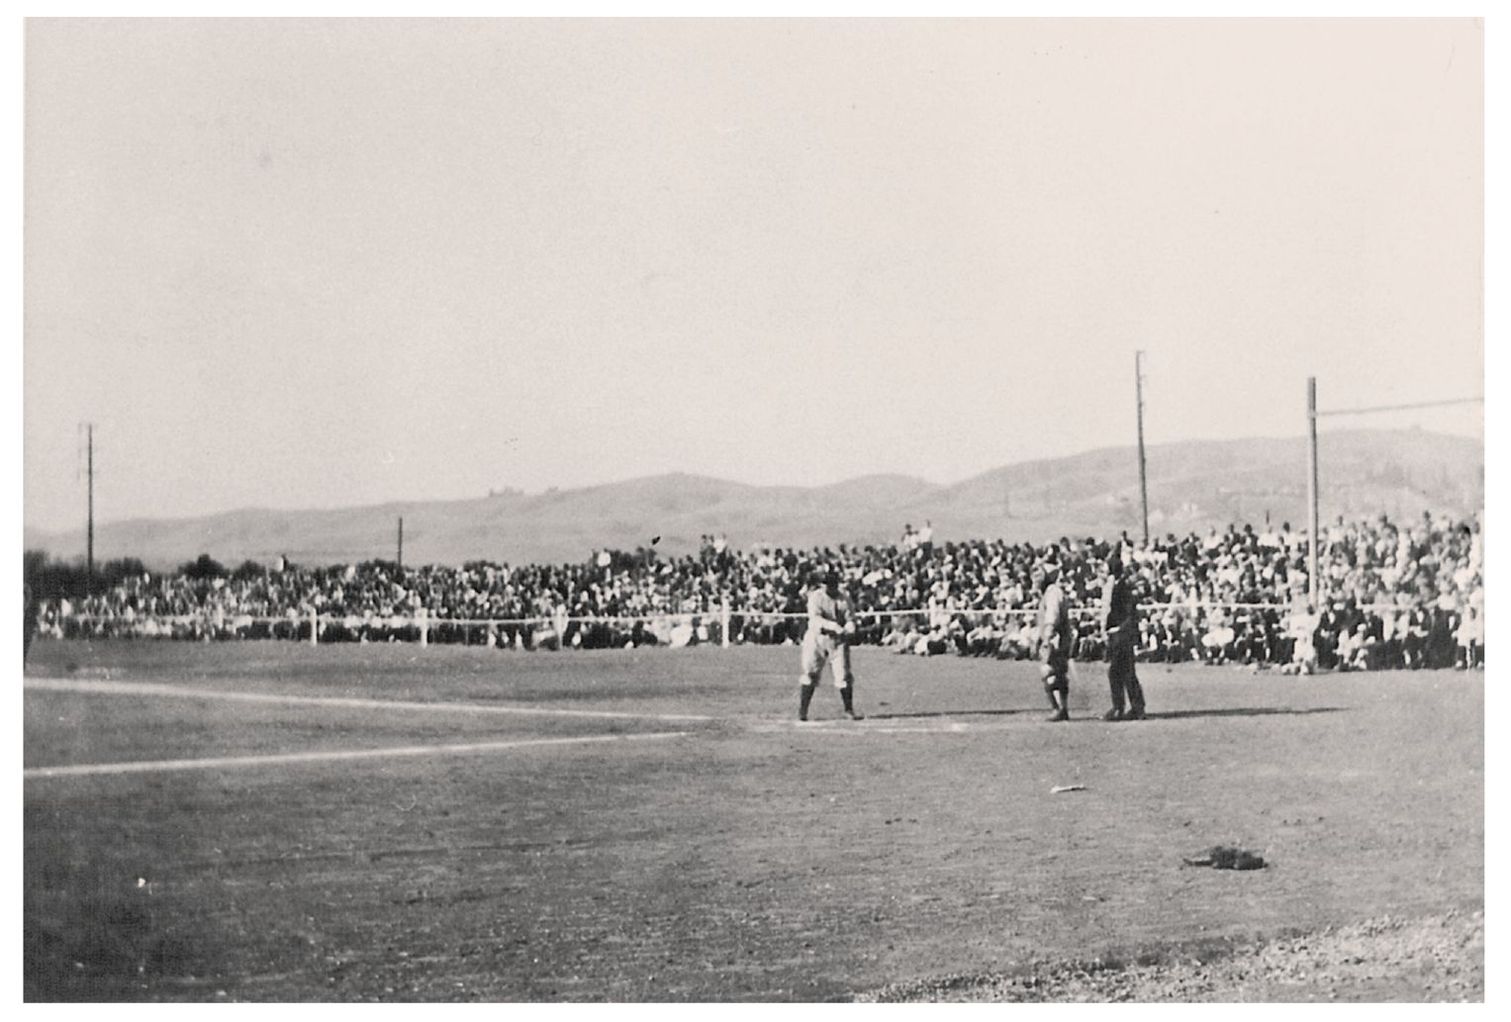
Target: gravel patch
1434,958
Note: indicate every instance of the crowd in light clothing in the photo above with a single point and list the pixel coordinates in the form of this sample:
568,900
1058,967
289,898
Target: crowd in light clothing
1396,594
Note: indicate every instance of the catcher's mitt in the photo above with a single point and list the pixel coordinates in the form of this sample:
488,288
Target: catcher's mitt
1226,857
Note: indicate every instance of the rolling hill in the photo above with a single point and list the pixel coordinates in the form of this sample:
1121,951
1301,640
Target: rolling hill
1192,486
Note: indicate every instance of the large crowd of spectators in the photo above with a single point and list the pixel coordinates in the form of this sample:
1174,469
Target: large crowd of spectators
1395,595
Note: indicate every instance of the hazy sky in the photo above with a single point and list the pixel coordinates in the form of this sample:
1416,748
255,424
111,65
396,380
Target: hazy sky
316,264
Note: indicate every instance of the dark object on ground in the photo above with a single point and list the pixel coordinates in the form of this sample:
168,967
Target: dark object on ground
1226,857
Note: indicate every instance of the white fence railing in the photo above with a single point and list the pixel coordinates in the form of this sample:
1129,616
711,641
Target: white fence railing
310,625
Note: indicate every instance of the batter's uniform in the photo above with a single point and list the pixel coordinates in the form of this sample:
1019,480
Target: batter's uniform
1056,636
824,642
827,642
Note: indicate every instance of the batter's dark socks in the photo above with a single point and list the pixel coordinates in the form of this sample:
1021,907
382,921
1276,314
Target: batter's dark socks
847,696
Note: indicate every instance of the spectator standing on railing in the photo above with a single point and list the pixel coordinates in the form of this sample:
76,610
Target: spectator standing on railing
1121,632
909,541
827,641
925,538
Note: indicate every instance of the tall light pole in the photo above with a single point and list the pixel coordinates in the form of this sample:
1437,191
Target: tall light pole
89,532
1311,490
1143,483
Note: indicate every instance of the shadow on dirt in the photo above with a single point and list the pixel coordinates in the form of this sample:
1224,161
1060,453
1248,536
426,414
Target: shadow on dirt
1236,711
935,714
1244,711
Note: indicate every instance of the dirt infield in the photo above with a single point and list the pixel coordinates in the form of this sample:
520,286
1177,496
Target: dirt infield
1436,958
918,854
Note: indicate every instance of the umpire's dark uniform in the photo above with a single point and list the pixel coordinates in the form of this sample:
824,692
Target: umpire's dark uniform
1122,642
28,621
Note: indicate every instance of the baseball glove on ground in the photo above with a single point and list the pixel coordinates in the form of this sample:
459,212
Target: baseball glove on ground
1226,857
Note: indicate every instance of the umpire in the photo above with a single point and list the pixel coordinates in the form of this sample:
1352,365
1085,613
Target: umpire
31,607
1120,628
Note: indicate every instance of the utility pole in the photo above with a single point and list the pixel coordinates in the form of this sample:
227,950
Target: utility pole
1143,483
89,534
1311,489
401,542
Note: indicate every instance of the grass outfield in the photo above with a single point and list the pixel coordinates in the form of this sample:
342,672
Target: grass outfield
655,825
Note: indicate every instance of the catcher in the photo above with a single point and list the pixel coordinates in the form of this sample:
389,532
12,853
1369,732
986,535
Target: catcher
1055,637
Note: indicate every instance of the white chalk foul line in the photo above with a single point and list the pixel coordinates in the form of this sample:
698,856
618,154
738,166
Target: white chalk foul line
233,762
131,688
862,730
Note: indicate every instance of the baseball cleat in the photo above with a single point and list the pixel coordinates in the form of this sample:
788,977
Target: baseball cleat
1113,714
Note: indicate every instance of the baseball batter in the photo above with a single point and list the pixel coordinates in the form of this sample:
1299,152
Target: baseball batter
827,641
